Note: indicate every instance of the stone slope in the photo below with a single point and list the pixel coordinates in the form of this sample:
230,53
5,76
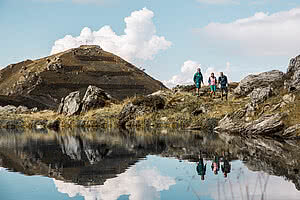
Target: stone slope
49,79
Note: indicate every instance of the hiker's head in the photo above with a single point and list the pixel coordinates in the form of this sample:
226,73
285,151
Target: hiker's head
212,74
221,73
202,177
199,70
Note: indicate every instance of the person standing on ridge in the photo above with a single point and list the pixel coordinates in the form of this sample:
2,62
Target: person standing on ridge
198,79
212,81
224,85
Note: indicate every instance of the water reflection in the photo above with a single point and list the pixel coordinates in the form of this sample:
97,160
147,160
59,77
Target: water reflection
160,164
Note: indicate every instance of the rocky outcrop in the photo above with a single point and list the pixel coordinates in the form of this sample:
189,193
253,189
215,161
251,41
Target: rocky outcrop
262,80
73,105
94,98
16,110
267,125
293,75
259,95
293,131
140,106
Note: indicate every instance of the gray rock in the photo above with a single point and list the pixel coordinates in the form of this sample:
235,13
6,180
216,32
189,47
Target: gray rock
293,131
293,74
8,109
140,106
259,95
268,125
249,83
22,109
289,98
94,98
71,104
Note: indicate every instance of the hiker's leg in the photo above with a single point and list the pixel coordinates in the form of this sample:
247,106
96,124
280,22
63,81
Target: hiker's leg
222,90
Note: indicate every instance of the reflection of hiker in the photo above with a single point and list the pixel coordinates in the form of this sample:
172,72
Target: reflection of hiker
215,166
224,85
198,78
212,81
226,167
201,168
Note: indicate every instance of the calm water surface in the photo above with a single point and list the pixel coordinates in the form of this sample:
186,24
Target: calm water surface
138,165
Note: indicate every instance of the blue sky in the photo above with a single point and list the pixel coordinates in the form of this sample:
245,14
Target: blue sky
169,38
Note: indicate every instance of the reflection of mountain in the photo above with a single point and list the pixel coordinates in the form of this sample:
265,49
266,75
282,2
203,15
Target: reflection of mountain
69,157
93,158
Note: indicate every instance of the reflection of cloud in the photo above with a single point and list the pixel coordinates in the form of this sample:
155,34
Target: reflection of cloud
253,183
139,184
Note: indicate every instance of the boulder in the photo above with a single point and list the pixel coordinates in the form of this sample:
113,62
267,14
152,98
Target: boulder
71,104
140,106
259,95
267,125
262,80
8,109
293,75
94,98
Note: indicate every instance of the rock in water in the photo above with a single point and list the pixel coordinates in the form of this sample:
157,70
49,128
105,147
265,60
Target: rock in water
71,104
265,79
94,98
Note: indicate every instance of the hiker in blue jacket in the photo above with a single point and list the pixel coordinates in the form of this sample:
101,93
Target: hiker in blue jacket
201,168
198,79
224,85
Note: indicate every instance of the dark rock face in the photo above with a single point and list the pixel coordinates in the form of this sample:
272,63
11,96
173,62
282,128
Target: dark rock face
267,125
94,98
265,79
293,75
139,106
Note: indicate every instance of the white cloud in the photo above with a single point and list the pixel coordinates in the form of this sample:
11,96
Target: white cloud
189,68
139,42
219,1
139,184
261,34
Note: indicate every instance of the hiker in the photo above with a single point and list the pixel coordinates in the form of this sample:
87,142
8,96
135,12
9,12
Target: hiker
223,82
198,78
201,168
215,166
212,81
226,167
